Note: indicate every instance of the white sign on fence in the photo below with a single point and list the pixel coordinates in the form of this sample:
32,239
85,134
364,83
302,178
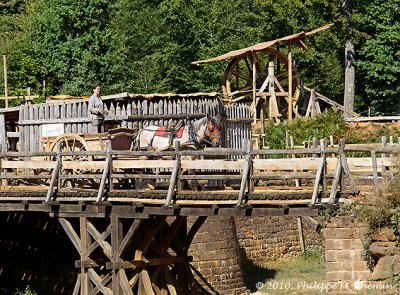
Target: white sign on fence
52,129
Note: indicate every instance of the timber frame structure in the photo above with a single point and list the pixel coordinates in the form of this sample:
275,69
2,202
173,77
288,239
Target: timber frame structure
251,75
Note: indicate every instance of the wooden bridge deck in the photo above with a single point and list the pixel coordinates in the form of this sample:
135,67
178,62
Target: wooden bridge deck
232,181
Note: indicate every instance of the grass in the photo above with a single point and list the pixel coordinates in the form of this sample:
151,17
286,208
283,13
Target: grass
301,275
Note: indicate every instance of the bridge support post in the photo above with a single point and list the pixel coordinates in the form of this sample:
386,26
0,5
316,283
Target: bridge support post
120,255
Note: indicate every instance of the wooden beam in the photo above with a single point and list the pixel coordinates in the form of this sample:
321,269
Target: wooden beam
54,174
100,282
71,233
129,236
246,173
116,238
174,176
301,237
95,244
84,244
5,80
290,82
3,138
106,170
97,236
254,86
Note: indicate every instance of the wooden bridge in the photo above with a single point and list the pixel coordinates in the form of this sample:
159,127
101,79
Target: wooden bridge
126,211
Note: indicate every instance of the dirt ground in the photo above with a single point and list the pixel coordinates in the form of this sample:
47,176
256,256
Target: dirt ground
372,130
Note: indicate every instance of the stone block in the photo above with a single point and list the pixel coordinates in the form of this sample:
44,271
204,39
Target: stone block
330,255
386,267
380,249
360,266
332,276
384,234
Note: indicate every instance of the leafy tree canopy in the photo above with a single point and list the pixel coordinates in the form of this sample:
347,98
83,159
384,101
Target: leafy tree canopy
145,46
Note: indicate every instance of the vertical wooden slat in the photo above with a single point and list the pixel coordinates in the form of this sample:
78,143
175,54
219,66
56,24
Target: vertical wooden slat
3,139
301,237
105,174
129,113
375,173
116,238
54,174
74,114
320,172
384,145
246,177
174,176
84,244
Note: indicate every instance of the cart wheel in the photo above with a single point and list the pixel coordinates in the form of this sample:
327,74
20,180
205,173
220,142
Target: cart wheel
237,82
73,143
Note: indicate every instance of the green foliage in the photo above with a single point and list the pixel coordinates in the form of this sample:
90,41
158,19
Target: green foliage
70,39
330,122
379,57
27,291
148,46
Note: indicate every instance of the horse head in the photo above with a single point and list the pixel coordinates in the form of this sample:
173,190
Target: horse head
213,131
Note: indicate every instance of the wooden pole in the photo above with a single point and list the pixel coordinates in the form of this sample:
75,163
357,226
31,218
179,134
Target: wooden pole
290,82
5,80
254,85
301,238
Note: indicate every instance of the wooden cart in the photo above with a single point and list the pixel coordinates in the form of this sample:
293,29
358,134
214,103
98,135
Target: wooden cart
120,139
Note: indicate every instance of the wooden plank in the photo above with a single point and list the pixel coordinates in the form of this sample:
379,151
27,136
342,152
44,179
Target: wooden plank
97,280
28,164
283,175
71,233
335,182
147,282
299,164
84,243
348,173
138,164
54,175
124,283
97,236
104,236
3,139
215,177
83,165
374,119
106,169
77,285
301,238
245,175
174,176
320,171
116,238
375,173
213,164
129,236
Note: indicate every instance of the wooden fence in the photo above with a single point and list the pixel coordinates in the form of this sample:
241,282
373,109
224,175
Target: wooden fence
73,116
263,177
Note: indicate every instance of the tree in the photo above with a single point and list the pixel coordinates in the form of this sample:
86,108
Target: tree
349,56
70,39
379,57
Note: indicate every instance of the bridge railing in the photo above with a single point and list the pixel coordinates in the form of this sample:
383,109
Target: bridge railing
305,176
